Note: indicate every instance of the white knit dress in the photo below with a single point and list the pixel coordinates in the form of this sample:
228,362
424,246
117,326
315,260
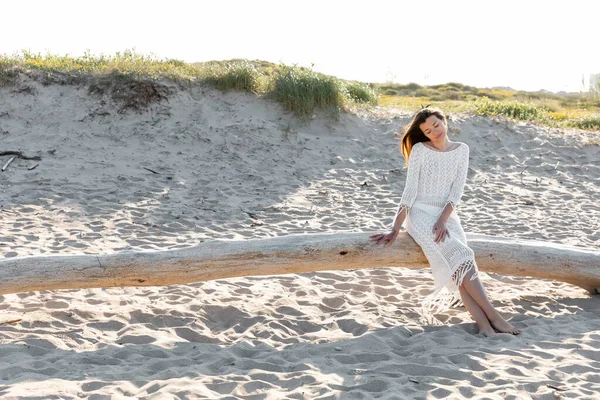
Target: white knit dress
434,179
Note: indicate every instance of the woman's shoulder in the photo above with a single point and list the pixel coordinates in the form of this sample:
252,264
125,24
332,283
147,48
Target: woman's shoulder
462,146
453,145
417,148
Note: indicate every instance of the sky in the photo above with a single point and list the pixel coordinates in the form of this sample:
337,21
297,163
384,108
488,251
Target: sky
526,44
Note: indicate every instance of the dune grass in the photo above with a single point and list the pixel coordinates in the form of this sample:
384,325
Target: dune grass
297,88
126,74
135,80
361,92
572,110
235,75
590,123
303,90
512,109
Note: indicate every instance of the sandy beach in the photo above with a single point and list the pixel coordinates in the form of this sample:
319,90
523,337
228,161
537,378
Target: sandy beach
207,165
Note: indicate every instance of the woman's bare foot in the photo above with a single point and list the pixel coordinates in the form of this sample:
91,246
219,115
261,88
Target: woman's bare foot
487,332
502,326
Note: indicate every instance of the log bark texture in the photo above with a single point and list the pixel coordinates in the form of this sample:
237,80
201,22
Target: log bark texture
221,259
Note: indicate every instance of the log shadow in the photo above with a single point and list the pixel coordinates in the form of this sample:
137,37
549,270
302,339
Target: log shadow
282,349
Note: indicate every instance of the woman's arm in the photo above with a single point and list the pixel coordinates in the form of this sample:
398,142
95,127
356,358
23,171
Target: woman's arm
408,198
411,186
456,190
446,213
399,220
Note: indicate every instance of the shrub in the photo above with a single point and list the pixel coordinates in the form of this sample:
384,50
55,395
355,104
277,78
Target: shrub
591,122
410,86
302,90
361,92
451,95
8,72
237,75
515,109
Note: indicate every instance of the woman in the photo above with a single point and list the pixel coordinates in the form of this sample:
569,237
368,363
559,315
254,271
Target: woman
437,171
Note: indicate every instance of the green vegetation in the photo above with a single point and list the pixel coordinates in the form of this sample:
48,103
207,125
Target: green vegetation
134,81
302,90
128,62
512,109
591,123
298,89
572,110
235,75
361,92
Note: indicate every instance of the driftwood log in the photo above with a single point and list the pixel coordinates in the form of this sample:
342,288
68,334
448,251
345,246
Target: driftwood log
220,259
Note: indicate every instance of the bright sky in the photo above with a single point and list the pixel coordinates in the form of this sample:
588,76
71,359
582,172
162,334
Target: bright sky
524,44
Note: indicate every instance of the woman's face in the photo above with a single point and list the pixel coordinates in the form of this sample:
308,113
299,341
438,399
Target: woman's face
433,128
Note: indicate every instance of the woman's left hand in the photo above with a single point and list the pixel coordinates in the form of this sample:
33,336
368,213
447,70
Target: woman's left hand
440,231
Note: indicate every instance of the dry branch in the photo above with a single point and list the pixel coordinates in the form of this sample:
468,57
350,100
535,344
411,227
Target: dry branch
8,163
20,155
221,259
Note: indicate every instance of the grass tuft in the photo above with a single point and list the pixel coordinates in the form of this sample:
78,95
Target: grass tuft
9,72
302,90
361,93
591,123
236,75
134,81
513,109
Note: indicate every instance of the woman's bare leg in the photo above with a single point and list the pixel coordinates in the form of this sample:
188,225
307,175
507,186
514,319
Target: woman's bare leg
475,289
477,313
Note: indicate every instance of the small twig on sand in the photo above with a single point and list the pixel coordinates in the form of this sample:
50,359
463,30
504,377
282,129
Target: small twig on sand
33,166
12,321
8,163
20,155
560,389
148,169
521,173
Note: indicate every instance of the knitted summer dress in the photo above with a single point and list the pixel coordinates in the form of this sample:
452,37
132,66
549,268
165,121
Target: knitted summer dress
434,179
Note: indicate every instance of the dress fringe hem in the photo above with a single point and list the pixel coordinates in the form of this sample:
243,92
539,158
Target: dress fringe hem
443,298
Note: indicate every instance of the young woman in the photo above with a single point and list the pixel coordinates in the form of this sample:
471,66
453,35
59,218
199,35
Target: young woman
437,171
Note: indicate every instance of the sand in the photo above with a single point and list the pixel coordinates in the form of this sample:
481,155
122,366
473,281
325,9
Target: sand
230,165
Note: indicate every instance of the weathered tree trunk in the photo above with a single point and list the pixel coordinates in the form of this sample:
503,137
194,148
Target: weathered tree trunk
220,259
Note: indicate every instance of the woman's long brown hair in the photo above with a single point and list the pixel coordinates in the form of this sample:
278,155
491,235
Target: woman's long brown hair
413,133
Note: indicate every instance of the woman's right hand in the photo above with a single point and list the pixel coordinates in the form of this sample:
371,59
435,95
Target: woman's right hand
385,238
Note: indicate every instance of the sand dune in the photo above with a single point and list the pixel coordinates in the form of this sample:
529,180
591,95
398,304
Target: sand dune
233,166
